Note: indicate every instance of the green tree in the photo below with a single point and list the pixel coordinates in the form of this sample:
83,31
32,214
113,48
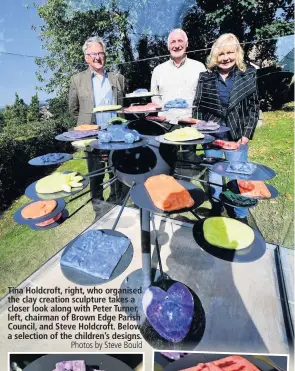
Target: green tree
249,20
1,120
33,111
129,34
65,31
16,114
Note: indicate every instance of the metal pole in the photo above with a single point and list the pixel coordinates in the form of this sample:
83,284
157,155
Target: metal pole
146,247
85,158
98,174
98,170
284,299
198,180
195,215
157,247
82,194
122,207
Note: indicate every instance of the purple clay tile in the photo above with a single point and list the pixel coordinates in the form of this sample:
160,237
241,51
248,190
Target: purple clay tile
246,168
169,313
71,366
173,355
206,125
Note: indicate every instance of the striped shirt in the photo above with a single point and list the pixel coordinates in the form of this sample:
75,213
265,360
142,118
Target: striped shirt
241,115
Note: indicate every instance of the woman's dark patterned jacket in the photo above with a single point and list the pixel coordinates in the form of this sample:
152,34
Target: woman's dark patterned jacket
242,113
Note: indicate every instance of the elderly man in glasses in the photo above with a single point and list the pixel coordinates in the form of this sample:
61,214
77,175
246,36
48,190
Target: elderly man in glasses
91,88
94,86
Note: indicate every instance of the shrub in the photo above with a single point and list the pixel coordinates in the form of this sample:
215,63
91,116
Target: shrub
19,144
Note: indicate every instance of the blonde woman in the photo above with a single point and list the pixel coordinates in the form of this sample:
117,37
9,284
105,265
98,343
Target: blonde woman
227,94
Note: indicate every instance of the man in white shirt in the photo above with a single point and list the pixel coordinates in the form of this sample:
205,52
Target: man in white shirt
176,78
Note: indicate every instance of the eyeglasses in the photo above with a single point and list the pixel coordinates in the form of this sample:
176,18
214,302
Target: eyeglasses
94,55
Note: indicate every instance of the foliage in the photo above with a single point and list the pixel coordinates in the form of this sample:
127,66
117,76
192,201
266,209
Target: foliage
129,34
33,111
249,20
66,30
58,106
275,88
16,114
19,144
1,120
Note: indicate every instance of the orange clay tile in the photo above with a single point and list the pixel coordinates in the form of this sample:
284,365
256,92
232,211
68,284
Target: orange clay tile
251,188
49,221
38,209
225,144
189,120
167,194
86,127
231,363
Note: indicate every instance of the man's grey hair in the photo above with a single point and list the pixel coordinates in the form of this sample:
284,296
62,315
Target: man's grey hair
177,30
93,40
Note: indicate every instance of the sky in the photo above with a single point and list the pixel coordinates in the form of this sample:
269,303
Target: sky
17,74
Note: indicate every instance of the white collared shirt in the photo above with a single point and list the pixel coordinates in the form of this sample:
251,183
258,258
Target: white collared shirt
174,82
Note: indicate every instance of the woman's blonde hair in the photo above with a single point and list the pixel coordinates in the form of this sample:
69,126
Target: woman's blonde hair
227,39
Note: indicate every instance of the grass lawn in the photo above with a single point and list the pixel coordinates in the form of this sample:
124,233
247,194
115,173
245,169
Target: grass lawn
24,250
273,146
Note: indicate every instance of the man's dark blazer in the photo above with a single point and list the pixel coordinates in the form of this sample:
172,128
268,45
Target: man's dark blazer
242,113
81,97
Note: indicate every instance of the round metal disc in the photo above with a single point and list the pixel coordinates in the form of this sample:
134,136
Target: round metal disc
97,361
66,139
148,95
18,218
232,185
115,146
81,134
80,278
254,252
207,139
143,112
210,161
195,333
33,195
261,172
192,360
64,216
37,161
220,130
179,108
141,198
